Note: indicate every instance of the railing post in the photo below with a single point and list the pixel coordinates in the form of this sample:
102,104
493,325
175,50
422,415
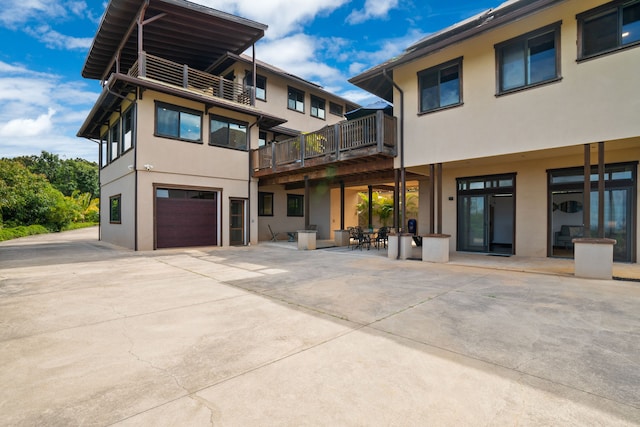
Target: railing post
273,156
185,76
338,139
380,129
303,149
142,65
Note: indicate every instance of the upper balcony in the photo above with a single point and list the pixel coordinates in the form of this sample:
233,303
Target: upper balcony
366,137
182,76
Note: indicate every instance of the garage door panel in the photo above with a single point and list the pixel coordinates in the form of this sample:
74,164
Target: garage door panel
186,222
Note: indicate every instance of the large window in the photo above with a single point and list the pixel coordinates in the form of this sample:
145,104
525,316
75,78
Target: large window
529,60
336,109
261,85
613,26
177,122
318,107
265,204
127,130
115,209
295,205
440,86
295,100
114,140
228,133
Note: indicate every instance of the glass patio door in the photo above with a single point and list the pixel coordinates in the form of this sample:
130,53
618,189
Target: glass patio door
473,224
237,222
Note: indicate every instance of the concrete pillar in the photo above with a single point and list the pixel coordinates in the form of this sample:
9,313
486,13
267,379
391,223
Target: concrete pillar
593,258
307,240
435,247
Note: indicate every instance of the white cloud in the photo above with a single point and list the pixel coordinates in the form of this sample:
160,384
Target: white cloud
41,111
55,40
28,127
372,9
300,55
283,16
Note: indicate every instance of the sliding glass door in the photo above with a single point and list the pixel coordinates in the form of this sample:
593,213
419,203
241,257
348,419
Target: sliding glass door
486,212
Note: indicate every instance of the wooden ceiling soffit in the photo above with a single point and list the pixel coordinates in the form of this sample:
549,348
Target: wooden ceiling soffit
331,171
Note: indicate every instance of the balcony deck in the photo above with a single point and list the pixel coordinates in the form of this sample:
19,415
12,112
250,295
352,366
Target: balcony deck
181,76
372,137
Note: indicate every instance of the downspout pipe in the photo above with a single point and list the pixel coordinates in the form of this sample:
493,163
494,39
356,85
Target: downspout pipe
403,179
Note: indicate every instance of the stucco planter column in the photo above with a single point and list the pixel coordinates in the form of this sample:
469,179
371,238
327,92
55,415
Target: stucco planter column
341,237
306,240
435,247
593,258
399,243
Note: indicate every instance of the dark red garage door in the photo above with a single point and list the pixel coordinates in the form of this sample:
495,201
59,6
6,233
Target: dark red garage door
186,218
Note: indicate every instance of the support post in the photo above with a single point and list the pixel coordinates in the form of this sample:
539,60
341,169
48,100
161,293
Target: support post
307,203
341,205
439,200
432,198
601,190
396,200
370,207
586,196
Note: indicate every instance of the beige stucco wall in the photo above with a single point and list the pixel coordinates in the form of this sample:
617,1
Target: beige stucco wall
350,214
576,110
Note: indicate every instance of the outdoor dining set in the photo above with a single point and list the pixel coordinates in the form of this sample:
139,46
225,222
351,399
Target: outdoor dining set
363,238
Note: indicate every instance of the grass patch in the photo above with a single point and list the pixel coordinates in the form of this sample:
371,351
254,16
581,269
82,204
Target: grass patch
9,233
22,231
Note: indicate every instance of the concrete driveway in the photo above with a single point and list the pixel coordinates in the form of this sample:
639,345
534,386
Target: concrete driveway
96,335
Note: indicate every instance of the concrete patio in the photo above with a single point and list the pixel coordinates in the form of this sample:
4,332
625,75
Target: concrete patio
267,335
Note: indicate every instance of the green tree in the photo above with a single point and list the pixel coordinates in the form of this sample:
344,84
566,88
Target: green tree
27,198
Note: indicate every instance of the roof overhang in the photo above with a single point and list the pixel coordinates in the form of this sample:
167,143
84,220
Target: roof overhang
120,86
177,30
374,80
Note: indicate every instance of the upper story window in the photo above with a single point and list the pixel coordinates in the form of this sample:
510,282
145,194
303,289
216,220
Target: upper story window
529,60
228,133
336,109
296,100
607,28
114,141
178,122
318,107
262,138
441,86
127,130
261,85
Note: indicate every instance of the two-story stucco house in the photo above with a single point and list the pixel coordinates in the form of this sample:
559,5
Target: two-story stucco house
527,118
177,119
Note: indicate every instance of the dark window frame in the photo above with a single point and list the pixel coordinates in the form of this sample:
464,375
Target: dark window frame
320,102
228,121
179,110
299,94
617,7
554,28
129,114
265,207
295,205
115,209
336,109
261,82
422,74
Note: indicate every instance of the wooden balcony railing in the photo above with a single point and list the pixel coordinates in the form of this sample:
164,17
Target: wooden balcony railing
179,75
366,136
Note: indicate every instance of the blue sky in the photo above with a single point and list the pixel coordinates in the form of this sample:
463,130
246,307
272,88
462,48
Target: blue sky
44,99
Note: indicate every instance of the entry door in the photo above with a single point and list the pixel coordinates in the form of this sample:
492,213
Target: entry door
237,222
486,214
473,220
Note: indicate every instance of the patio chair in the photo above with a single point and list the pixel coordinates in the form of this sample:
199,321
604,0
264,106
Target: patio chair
362,239
382,237
274,236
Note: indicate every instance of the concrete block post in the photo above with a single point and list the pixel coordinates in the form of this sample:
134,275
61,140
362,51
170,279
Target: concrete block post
341,237
435,247
307,240
593,258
